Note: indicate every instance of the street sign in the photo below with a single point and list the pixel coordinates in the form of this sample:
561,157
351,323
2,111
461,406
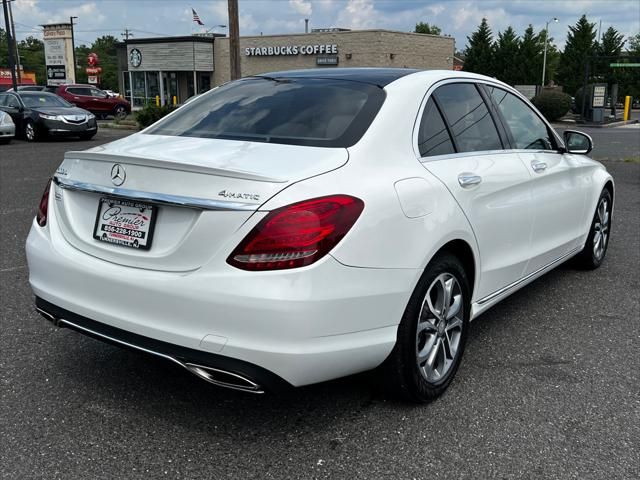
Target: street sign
56,74
624,65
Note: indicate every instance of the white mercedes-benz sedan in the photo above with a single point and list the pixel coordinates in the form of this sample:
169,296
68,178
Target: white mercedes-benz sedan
295,227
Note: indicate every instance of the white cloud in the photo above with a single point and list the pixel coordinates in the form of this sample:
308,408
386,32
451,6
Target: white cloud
302,7
358,14
436,9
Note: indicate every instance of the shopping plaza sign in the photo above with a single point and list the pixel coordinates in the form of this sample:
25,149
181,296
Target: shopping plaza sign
291,50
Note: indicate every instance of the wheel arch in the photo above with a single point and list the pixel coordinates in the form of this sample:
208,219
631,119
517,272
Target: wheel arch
462,250
609,186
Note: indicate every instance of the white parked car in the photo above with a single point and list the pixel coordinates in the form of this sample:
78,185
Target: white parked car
7,128
295,227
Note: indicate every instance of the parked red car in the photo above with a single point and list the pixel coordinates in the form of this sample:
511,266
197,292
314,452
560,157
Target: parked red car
95,100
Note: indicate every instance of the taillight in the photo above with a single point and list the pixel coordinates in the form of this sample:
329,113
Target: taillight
298,234
43,208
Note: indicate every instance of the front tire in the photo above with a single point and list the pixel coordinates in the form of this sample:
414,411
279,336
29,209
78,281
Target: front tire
432,333
120,112
595,248
30,132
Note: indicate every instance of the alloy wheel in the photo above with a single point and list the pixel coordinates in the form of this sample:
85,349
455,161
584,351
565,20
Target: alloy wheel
120,113
439,328
601,229
29,132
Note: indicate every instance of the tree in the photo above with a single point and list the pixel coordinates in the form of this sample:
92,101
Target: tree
634,44
505,63
31,51
426,28
530,57
580,46
610,46
479,53
4,49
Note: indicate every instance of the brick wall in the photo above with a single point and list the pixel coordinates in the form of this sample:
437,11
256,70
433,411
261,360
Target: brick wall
366,48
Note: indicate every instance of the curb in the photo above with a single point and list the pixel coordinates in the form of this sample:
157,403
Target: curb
594,125
116,126
607,125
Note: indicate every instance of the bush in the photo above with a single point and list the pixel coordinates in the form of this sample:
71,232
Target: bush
151,114
553,105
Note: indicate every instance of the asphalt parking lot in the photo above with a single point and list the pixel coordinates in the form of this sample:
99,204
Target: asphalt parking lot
549,386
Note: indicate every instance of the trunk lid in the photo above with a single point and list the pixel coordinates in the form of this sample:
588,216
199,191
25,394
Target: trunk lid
203,191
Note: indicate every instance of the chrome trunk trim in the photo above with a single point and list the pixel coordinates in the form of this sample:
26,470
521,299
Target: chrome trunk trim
155,198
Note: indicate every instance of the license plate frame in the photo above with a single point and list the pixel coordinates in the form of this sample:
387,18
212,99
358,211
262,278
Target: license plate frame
109,228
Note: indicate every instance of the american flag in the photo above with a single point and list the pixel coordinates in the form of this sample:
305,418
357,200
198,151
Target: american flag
196,18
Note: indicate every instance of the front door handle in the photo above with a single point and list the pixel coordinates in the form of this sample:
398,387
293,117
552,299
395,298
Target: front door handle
469,179
538,166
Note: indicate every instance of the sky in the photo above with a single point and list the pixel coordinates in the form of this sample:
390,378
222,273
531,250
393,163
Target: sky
458,18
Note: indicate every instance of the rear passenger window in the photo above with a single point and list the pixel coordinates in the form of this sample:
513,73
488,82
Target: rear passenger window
433,137
527,129
468,117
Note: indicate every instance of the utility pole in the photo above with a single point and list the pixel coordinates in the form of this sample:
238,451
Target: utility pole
73,47
12,63
126,34
234,40
15,43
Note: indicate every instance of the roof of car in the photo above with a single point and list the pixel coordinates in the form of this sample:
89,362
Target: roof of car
34,93
375,76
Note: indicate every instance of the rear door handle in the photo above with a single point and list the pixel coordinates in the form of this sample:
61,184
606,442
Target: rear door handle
538,166
469,179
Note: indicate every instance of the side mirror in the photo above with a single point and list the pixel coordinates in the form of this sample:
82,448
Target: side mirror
577,142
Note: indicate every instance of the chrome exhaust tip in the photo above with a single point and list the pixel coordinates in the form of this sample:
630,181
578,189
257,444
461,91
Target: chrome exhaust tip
53,319
224,379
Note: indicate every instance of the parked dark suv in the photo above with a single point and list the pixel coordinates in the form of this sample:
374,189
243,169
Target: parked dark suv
95,100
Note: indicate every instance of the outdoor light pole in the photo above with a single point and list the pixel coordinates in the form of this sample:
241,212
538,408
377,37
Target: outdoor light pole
73,47
546,42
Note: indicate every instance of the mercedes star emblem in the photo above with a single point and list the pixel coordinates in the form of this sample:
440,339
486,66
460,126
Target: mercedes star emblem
118,175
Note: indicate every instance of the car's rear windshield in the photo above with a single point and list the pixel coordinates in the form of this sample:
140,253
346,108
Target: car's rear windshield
296,111
34,100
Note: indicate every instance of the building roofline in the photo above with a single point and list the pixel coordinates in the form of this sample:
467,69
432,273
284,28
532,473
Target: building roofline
179,39
348,32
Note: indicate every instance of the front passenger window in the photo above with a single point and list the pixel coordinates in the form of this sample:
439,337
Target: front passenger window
527,129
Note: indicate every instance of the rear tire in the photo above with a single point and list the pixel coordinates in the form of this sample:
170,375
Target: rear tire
595,248
432,333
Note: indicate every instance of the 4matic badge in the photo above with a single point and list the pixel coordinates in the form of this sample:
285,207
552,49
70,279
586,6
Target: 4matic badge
243,196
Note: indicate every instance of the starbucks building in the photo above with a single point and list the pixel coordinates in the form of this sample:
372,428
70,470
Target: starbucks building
176,68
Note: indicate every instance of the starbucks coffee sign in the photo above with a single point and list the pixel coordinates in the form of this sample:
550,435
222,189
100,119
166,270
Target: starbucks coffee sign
291,50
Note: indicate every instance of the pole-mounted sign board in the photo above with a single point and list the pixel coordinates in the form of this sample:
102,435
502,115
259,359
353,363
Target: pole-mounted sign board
58,53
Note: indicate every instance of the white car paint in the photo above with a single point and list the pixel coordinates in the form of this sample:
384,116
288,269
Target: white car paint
339,315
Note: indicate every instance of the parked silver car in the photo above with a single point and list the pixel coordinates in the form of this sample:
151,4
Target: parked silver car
7,128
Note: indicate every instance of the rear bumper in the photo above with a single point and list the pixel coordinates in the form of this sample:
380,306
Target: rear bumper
217,369
303,325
